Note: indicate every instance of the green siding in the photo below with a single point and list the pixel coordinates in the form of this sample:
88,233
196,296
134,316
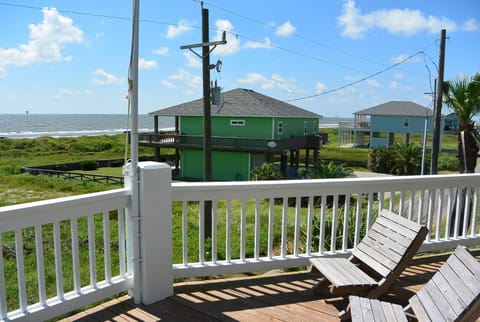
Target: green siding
236,165
293,127
230,166
191,164
191,125
226,166
255,127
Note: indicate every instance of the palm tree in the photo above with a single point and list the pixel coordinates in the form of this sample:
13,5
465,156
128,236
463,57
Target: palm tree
406,159
462,95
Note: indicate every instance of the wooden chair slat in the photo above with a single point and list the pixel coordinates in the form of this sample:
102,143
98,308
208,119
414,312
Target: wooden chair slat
399,219
446,297
342,272
396,246
446,291
370,259
429,304
380,252
465,294
465,274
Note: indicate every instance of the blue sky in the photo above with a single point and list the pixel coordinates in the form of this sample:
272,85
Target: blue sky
72,56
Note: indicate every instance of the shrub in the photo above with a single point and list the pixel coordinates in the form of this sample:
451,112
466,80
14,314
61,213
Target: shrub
325,170
379,160
267,171
88,165
406,159
448,162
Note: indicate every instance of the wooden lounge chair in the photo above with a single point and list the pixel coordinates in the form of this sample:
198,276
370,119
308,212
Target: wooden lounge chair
377,261
453,294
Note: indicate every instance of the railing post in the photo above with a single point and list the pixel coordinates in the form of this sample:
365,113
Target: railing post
155,214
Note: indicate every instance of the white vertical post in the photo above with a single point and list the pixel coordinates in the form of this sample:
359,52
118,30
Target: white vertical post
156,231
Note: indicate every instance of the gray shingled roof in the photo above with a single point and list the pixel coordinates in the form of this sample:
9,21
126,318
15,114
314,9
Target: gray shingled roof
239,102
397,108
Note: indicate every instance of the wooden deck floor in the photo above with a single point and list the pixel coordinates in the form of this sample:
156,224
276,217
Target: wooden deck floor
276,297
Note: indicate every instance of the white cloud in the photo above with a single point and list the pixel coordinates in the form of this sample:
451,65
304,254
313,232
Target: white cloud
101,77
320,87
147,64
393,85
396,21
267,43
286,29
192,60
168,84
371,83
62,92
401,58
275,82
398,75
45,41
174,31
471,25
162,51
233,43
191,80
253,78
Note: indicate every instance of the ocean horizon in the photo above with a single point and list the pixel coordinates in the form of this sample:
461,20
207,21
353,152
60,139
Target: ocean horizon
17,126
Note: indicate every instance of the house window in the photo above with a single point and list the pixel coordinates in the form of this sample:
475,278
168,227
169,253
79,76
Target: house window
237,122
315,127
280,128
405,122
305,129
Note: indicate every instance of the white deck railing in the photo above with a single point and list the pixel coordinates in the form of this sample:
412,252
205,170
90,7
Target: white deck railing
34,239
289,221
277,224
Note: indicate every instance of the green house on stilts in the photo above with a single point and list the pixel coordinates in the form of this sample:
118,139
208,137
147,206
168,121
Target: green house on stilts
248,129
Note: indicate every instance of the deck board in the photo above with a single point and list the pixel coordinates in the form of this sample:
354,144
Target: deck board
279,297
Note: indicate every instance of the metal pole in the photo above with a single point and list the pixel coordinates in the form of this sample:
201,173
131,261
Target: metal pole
133,212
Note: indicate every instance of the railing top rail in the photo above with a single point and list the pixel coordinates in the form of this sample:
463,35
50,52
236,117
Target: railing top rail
219,190
46,211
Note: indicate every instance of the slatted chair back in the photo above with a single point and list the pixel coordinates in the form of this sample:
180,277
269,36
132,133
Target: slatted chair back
453,293
388,247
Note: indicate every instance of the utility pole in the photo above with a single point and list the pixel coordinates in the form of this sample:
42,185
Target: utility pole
437,117
207,123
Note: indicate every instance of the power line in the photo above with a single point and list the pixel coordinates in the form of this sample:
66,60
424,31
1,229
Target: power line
296,35
357,81
84,13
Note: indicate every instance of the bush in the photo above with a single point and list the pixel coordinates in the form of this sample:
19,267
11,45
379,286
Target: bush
267,171
88,165
448,162
326,170
379,160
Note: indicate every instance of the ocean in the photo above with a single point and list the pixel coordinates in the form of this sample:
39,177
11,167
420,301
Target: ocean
18,126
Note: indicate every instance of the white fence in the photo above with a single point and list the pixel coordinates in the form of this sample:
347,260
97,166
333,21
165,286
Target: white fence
256,226
37,237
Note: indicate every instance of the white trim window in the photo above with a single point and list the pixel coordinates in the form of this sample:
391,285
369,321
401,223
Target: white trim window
405,122
237,122
305,127
280,127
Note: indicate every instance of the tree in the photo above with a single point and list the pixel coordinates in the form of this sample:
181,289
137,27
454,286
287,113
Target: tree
462,95
406,159
326,170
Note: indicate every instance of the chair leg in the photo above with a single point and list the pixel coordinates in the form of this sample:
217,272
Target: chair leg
344,314
321,285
